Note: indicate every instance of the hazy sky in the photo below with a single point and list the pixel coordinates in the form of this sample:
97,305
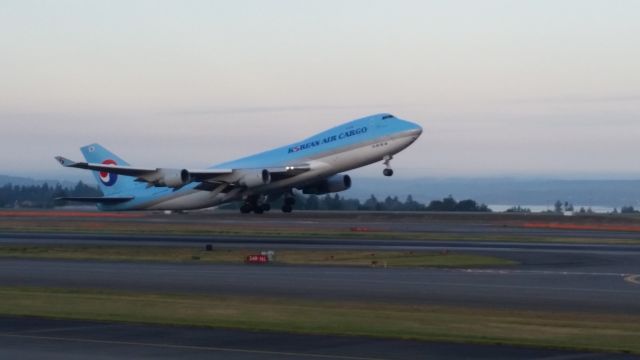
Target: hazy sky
502,88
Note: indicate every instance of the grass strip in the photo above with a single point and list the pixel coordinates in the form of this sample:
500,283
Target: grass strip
309,257
583,331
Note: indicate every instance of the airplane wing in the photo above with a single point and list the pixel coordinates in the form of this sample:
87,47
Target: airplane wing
113,169
209,178
133,171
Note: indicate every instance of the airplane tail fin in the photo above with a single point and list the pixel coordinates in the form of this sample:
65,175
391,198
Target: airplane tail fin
110,184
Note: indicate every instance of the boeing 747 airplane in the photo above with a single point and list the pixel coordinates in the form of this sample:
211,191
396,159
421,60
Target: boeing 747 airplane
313,165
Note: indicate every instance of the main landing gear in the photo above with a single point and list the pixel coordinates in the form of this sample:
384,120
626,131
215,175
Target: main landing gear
388,171
253,203
289,201
258,204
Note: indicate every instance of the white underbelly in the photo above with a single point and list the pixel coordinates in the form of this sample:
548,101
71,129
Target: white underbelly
195,199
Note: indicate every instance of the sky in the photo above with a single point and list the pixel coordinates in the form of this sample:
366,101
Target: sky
502,88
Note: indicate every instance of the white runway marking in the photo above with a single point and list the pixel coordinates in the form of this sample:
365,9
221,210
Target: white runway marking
633,279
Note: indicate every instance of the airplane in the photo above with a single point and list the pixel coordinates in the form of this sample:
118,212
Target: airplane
313,165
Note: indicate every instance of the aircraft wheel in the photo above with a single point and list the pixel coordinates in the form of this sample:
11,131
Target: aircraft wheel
287,209
245,209
258,210
387,172
290,201
266,207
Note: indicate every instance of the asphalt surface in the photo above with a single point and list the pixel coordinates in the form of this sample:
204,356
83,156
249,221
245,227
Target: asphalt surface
34,338
39,238
9,238
576,277
551,276
605,288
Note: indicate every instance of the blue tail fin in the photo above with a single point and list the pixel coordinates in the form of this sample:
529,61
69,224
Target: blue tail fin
110,184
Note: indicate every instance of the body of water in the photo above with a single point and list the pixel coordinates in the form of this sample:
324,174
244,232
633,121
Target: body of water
543,208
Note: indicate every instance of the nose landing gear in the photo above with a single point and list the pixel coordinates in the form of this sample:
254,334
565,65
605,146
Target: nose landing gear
388,171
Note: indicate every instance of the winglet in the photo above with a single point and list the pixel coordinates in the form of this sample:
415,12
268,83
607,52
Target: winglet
64,161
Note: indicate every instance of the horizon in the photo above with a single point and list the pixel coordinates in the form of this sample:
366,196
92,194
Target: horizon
496,191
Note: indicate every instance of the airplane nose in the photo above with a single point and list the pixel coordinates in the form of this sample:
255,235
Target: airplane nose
416,130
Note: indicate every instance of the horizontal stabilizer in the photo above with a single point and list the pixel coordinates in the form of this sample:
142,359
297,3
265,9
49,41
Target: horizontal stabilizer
99,199
64,161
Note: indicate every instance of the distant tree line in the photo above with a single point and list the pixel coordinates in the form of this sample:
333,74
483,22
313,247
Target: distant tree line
41,196
391,203
518,209
450,204
627,210
560,207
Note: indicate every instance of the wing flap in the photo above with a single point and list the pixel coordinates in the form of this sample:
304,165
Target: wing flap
284,172
208,175
290,169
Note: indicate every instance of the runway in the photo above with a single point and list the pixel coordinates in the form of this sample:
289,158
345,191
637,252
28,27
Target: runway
33,338
575,277
299,242
543,289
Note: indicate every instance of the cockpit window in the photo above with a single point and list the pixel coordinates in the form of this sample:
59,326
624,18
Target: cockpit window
387,117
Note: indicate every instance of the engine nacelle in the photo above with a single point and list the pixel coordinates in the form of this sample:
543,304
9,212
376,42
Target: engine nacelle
173,178
253,178
335,183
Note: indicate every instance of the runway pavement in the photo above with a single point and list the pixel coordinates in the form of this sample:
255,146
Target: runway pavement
531,255
582,277
543,289
34,338
599,278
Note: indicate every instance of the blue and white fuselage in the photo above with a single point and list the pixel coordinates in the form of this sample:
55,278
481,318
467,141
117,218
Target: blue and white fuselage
310,165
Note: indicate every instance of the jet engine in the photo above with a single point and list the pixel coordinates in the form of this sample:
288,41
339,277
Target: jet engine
335,183
173,178
253,178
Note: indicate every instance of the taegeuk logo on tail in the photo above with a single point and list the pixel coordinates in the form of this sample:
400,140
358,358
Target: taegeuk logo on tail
106,178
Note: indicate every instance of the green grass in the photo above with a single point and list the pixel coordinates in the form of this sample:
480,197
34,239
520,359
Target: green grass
585,331
191,254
